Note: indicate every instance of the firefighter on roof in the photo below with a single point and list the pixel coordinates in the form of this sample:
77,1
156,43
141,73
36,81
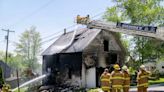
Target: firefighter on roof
105,80
82,20
117,79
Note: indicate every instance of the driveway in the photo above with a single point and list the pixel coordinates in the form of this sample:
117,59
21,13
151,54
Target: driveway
152,88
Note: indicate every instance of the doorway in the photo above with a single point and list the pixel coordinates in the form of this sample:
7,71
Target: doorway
99,71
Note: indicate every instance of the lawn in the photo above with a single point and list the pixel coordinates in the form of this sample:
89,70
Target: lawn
22,90
161,80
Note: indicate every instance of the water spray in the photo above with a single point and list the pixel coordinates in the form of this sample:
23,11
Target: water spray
31,81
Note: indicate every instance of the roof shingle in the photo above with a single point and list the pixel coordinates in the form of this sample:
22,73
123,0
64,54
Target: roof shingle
82,39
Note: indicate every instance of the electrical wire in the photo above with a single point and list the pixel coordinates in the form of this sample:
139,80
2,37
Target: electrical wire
60,31
42,43
98,14
33,13
65,28
2,41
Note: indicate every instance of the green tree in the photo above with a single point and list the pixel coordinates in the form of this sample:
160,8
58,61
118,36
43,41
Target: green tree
14,61
2,55
29,47
140,12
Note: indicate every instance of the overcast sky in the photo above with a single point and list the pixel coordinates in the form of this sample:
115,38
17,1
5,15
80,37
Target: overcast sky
49,16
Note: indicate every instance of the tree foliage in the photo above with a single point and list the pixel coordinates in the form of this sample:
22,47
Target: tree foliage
140,12
29,47
14,61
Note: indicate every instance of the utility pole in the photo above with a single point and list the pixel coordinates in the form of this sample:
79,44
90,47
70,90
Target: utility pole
6,57
7,38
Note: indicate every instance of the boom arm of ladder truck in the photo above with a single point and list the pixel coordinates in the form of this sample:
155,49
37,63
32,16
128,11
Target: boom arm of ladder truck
125,28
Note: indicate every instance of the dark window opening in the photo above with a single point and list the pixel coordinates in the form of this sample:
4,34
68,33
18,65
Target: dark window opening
106,45
69,73
113,58
162,67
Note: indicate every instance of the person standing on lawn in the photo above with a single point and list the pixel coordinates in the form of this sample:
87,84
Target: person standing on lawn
126,84
105,80
142,79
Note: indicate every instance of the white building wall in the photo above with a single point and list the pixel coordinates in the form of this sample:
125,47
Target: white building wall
83,75
101,60
160,67
91,77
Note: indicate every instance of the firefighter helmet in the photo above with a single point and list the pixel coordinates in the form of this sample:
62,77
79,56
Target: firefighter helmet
142,67
116,67
124,68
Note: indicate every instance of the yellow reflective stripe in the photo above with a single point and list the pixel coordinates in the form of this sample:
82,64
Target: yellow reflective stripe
105,87
146,76
117,86
117,78
144,84
105,80
138,78
126,78
126,86
143,77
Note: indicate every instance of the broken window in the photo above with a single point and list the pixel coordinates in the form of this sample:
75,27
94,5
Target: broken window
69,73
113,58
106,45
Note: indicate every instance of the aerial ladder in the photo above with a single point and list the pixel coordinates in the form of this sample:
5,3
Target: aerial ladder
125,28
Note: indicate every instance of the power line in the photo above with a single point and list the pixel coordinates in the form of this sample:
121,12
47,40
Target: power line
33,13
2,41
98,14
52,34
65,28
59,31
42,43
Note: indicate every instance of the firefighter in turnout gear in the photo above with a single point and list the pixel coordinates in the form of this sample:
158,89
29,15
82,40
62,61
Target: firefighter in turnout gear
126,84
142,79
105,81
82,20
117,79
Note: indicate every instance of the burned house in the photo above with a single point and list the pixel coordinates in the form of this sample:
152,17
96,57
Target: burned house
82,62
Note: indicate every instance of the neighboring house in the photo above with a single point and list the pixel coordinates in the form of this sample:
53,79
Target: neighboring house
83,61
160,67
150,66
153,65
6,69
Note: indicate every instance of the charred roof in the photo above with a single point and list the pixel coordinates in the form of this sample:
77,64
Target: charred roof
82,39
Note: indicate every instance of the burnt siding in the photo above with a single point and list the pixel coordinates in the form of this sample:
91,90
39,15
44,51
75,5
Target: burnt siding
71,61
50,61
61,65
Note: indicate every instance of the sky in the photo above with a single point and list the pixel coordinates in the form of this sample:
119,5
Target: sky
48,16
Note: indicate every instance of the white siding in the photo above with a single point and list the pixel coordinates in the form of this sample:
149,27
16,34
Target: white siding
159,67
83,75
91,77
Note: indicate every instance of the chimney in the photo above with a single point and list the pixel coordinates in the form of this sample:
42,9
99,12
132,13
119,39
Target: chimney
64,30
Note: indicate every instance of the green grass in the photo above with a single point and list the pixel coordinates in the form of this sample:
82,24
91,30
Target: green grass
161,80
22,89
